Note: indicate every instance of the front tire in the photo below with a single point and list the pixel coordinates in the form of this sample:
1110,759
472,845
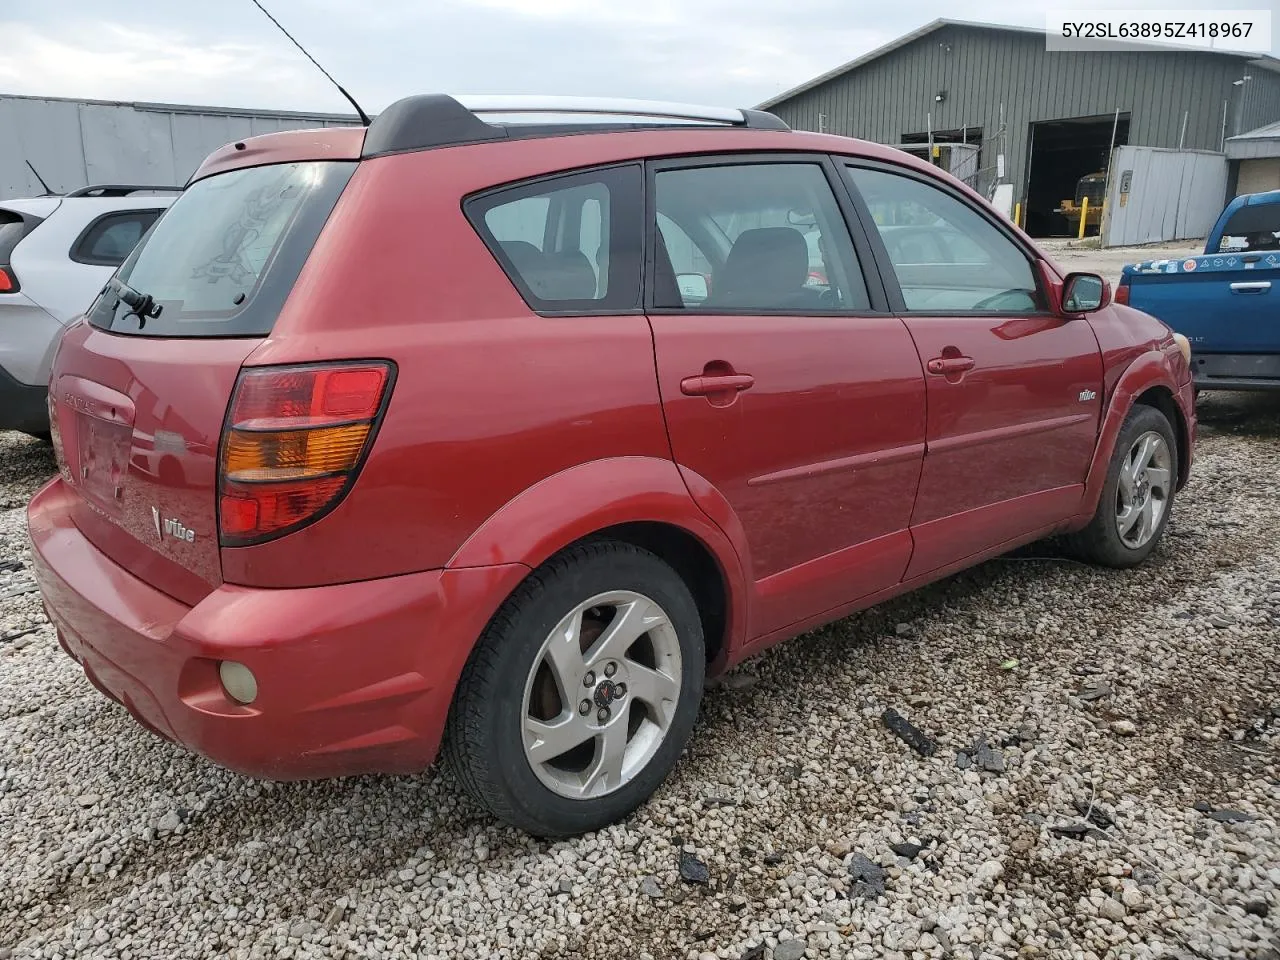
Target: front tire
1137,498
582,692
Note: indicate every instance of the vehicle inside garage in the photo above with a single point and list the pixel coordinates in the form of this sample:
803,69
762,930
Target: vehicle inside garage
1068,160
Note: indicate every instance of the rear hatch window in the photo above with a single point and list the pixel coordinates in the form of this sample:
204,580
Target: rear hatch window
222,260
1252,227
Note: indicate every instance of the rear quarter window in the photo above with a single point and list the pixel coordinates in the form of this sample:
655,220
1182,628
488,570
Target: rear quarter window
111,237
13,227
569,244
222,260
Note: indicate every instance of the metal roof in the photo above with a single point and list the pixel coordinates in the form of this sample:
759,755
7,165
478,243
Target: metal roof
1265,62
1254,144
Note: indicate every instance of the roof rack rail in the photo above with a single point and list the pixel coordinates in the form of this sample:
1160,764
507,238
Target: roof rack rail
437,120
120,190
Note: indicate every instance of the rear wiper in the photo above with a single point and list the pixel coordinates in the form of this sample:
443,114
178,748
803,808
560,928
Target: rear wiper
141,305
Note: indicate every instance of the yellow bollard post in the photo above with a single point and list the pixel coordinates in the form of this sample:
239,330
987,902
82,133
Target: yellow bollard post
1017,214
1084,217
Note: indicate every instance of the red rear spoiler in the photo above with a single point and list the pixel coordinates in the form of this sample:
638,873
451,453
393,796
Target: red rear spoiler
290,146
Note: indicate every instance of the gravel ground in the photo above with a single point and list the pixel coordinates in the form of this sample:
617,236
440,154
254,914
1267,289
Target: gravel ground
1080,716
1072,255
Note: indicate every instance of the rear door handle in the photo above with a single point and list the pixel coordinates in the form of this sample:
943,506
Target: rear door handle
707,384
945,365
1251,286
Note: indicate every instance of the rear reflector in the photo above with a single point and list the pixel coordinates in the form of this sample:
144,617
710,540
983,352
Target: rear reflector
295,439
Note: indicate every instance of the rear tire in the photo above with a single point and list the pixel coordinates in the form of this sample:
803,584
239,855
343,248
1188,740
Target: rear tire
582,692
1137,498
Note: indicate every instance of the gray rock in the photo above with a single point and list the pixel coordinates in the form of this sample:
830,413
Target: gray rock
650,887
566,885
988,758
169,822
906,850
868,877
693,870
789,950
1113,910
1093,691
1124,728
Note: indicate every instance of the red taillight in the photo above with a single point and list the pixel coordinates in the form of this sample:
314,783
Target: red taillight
1122,292
8,282
295,438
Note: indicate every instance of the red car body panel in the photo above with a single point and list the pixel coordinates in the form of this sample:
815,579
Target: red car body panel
845,476
328,704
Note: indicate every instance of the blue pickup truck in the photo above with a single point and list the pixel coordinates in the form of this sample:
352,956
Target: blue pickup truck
1222,301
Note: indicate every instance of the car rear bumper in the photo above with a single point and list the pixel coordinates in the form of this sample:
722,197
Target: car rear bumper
352,678
1236,371
23,406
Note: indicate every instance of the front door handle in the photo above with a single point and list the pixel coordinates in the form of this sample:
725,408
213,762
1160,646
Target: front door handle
1251,286
945,365
708,384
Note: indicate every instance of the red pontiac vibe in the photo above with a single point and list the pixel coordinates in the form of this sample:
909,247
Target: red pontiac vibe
496,437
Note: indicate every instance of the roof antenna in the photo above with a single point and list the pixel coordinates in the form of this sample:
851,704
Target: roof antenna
364,117
47,191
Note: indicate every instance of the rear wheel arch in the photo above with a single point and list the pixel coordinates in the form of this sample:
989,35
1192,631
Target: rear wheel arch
695,564
641,501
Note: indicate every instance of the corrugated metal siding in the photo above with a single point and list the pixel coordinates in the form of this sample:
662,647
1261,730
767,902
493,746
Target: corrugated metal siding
1173,195
73,143
982,69
1261,101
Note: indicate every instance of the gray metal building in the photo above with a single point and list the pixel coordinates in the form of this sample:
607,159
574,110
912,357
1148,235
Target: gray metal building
73,143
1043,119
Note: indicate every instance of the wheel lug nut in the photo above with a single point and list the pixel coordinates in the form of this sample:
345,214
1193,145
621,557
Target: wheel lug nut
589,680
602,714
619,691
610,669
584,707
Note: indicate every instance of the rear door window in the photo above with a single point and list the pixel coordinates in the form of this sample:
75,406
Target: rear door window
224,257
763,237
569,244
110,238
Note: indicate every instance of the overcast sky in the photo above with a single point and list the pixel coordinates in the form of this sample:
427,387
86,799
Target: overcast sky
224,52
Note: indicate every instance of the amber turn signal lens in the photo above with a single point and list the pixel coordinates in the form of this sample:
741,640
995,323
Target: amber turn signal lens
256,456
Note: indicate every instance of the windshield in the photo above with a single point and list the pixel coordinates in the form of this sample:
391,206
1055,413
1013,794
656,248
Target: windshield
221,261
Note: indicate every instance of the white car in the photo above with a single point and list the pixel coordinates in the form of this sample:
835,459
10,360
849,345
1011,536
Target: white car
56,253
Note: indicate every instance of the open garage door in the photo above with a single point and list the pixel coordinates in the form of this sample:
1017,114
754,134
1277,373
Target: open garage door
1068,159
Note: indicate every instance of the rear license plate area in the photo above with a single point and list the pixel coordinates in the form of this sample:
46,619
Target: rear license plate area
104,458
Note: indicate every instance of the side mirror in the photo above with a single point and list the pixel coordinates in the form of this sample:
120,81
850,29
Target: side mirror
1084,293
693,287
